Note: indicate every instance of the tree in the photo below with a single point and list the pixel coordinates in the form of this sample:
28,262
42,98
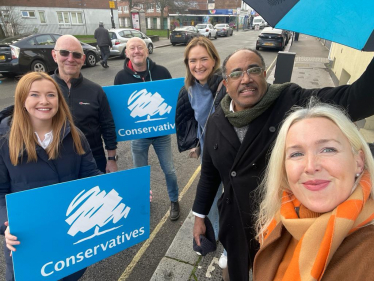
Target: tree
10,21
131,6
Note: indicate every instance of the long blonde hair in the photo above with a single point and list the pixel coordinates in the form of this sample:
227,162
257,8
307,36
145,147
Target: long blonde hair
22,137
212,52
275,180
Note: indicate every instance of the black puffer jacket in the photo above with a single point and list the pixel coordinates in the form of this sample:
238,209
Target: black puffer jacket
185,122
102,37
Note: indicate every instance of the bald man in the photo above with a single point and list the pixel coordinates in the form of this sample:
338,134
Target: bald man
87,102
139,68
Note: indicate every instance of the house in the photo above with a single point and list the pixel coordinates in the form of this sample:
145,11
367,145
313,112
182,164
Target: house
78,17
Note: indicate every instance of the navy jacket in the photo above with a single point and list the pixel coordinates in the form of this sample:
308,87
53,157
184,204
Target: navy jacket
68,166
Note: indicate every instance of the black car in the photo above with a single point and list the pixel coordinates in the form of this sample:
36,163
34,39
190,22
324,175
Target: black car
272,38
183,35
24,53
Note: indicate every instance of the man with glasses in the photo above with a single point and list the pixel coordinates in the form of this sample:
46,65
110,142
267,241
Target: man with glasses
138,67
239,135
87,102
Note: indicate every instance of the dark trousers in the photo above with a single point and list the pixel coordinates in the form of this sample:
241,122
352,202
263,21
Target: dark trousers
101,163
105,52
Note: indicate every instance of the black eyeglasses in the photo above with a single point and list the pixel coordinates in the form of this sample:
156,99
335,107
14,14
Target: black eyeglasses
235,75
65,53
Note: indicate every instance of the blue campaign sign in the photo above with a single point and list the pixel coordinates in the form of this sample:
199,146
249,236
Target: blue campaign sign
69,226
144,110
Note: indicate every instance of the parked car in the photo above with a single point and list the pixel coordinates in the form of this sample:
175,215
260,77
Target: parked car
120,36
258,21
24,53
272,38
223,29
183,35
207,30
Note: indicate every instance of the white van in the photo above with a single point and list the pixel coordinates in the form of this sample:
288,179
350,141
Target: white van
258,21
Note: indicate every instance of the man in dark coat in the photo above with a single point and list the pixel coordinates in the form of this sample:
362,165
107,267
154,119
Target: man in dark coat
104,42
238,139
87,102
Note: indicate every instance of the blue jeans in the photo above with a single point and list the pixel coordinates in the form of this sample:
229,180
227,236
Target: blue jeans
105,52
162,147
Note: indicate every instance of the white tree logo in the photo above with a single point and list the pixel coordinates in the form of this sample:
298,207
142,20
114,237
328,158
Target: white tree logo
143,103
94,209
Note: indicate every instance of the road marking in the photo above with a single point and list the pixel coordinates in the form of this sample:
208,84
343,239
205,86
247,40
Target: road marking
148,242
271,65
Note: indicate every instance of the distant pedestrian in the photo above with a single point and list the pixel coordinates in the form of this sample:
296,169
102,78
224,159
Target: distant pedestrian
104,42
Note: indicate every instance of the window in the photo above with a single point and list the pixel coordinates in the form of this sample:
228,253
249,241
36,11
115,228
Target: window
42,17
120,9
136,34
126,9
63,18
158,8
28,14
67,18
44,40
150,8
76,18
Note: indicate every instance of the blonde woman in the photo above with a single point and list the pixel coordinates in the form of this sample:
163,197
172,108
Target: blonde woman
316,218
42,147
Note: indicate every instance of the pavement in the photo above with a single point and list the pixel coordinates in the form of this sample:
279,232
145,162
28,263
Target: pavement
310,70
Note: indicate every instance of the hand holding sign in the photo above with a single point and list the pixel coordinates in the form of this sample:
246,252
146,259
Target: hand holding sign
10,239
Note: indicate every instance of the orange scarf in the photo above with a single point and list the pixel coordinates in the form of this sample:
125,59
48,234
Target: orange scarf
319,238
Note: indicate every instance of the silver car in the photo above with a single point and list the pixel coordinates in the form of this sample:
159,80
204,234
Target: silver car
223,29
207,30
120,36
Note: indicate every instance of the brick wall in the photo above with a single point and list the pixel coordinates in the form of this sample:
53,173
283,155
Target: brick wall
225,4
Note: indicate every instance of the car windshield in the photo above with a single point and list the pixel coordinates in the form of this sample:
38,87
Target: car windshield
257,20
220,25
182,28
200,26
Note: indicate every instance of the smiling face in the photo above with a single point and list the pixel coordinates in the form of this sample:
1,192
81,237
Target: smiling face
248,90
68,67
200,64
42,102
137,52
320,164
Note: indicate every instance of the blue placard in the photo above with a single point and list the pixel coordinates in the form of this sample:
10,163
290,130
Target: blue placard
69,226
144,110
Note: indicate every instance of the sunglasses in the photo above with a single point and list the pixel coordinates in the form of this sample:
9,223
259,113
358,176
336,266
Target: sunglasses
65,53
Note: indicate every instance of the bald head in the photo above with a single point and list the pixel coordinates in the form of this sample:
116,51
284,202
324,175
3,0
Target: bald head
68,41
137,52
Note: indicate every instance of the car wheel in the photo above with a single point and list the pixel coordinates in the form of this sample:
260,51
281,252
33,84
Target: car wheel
215,37
150,48
257,48
91,59
38,66
123,53
173,44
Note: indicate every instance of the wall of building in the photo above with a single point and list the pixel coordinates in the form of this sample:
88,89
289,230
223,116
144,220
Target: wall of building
77,21
89,4
348,64
224,4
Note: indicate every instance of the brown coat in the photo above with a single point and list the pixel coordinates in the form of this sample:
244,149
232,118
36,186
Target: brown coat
353,260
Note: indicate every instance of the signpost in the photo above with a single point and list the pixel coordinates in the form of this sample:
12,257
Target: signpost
112,6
